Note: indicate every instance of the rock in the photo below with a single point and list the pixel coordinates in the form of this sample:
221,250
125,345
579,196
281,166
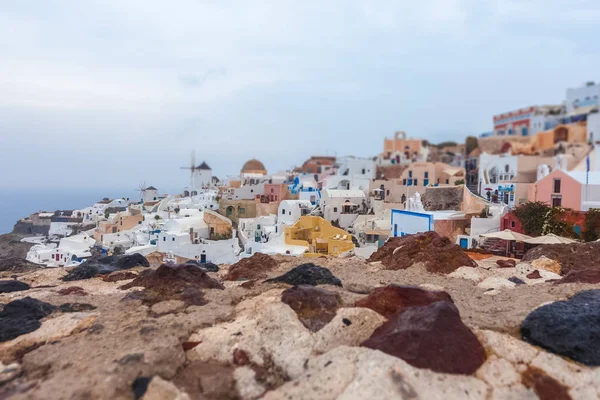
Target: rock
254,267
75,307
105,265
76,290
140,386
569,257
569,328
473,274
506,263
393,299
498,372
173,282
437,253
208,267
120,276
168,307
315,307
22,316
159,389
350,327
308,274
50,330
507,347
582,276
547,264
17,264
534,275
516,280
360,373
207,380
9,372
496,282
544,386
13,286
359,288
431,336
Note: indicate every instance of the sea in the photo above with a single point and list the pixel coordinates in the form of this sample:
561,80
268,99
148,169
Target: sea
18,203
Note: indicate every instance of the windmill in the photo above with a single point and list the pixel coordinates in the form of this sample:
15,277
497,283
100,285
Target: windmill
142,188
192,169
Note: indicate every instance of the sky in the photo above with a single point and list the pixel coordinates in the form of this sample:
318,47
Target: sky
109,93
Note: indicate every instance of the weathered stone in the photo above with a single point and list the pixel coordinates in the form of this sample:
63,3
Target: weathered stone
431,336
498,372
437,253
255,267
350,327
207,380
547,264
507,347
76,290
168,307
534,275
240,357
173,282
308,274
315,307
470,273
570,328
208,267
120,276
506,263
22,316
393,299
568,257
9,372
546,387
13,286
159,389
105,265
582,276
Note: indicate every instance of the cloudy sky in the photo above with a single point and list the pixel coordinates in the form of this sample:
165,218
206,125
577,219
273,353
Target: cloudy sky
106,93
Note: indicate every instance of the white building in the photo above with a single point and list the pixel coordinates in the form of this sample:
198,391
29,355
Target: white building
307,188
583,99
70,251
342,205
290,211
352,173
150,194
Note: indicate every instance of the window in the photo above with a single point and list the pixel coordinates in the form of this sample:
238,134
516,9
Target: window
426,175
241,210
364,171
387,193
447,181
173,239
556,201
272,190
425,182
556,186
334,209
415,182
512,224
410,174
283,211
404,182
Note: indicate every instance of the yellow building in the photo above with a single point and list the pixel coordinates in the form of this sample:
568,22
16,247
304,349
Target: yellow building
319,236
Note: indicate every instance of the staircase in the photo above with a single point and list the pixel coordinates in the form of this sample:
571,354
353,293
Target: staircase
494,246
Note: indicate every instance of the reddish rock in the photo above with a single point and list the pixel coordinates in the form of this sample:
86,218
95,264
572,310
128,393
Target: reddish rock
437,253
172,282
255,267
392,299
546,387
240,357
431,336
187,346
582,276
120,276
72,290
315,307
506,263
207,380
570,257
534,275
248,284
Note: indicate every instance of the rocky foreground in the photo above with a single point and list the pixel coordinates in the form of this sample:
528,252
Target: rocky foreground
441,326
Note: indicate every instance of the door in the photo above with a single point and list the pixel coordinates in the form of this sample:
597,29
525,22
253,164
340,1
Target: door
395,230
464,243
203,258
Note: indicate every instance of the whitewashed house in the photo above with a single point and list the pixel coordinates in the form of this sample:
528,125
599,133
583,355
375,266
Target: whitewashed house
70,251
352,173
342,206
150,194
290,211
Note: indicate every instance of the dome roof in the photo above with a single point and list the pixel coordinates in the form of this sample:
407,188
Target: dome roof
253,165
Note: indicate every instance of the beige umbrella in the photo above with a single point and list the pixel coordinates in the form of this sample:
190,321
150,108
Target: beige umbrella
507,235
550,238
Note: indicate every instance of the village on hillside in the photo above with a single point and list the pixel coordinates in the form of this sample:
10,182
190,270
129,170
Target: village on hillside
475,193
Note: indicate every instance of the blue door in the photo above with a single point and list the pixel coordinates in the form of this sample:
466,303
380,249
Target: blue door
395,230
464,243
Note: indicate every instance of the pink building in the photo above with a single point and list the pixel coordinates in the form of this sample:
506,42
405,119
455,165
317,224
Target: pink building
275,192
559,188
